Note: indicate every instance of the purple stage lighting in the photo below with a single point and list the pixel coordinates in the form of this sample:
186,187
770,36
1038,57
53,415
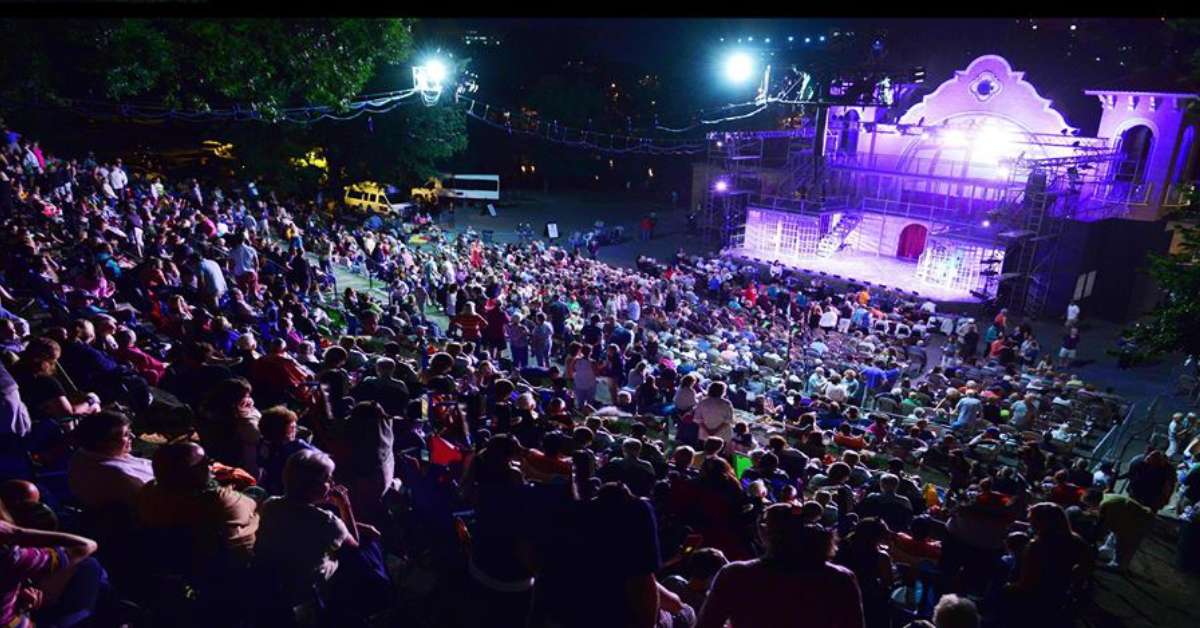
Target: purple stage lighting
987,223
721,186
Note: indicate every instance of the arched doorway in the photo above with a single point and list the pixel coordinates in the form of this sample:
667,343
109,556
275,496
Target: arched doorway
912,242
1136,142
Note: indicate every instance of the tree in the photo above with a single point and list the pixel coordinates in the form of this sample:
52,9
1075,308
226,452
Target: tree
1174,325
260,65
263,64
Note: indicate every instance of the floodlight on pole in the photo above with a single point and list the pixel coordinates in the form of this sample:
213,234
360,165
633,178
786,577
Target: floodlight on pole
429,78
739,67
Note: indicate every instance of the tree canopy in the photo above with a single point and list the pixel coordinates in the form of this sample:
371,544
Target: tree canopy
258,64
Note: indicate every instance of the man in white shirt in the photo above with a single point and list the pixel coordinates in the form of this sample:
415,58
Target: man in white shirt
245,267
1072,313
835,389
31,161
109,192
156,189
117,178
829,319
714,413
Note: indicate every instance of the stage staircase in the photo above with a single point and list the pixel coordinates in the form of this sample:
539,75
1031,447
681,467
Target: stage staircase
833,241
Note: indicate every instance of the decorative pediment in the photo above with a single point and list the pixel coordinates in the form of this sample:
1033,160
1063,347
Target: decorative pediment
989,86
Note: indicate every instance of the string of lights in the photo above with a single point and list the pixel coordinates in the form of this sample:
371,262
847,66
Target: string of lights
369,105
759,108
526,124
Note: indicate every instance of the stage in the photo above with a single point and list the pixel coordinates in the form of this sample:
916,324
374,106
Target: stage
859,267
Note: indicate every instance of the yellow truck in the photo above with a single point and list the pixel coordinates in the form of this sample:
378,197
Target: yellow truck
428,195
370,197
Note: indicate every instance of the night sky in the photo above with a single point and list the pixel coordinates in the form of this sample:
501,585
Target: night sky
1060,61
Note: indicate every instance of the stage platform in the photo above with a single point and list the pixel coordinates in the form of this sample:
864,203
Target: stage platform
858,267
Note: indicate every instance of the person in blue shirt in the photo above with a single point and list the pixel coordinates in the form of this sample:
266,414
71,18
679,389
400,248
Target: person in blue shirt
874,376
861,318
969,409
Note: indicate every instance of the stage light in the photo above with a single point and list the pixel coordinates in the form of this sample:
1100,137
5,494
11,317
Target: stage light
808,40
991,145
720,144
437,70
822,38
767,40
986,224
429,78
650,172
739,67
790,38
721,186
953,138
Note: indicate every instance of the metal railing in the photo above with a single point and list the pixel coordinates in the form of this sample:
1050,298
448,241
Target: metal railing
1113,445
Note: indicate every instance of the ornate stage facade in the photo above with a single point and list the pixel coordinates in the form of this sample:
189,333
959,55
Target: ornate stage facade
961,196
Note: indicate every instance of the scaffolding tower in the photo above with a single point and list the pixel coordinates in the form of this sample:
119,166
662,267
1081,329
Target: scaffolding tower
752,168
1043,195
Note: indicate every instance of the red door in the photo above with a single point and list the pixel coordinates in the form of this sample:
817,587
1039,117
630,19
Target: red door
912,242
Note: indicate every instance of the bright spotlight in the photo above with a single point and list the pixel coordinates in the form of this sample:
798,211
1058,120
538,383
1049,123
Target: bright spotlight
437,70
429,79
953,138
739,67
721,186
987,223
992,145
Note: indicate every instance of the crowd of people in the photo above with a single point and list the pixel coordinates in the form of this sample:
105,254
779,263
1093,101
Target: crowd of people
200,426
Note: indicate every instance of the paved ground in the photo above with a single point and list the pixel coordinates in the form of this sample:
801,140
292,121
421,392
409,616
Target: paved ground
1155,595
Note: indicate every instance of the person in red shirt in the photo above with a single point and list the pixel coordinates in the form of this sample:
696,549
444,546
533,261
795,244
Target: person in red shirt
845,438
916,546
476,255
750,295
279,374
1064,493
471,323
551,463
149,367
1002,319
